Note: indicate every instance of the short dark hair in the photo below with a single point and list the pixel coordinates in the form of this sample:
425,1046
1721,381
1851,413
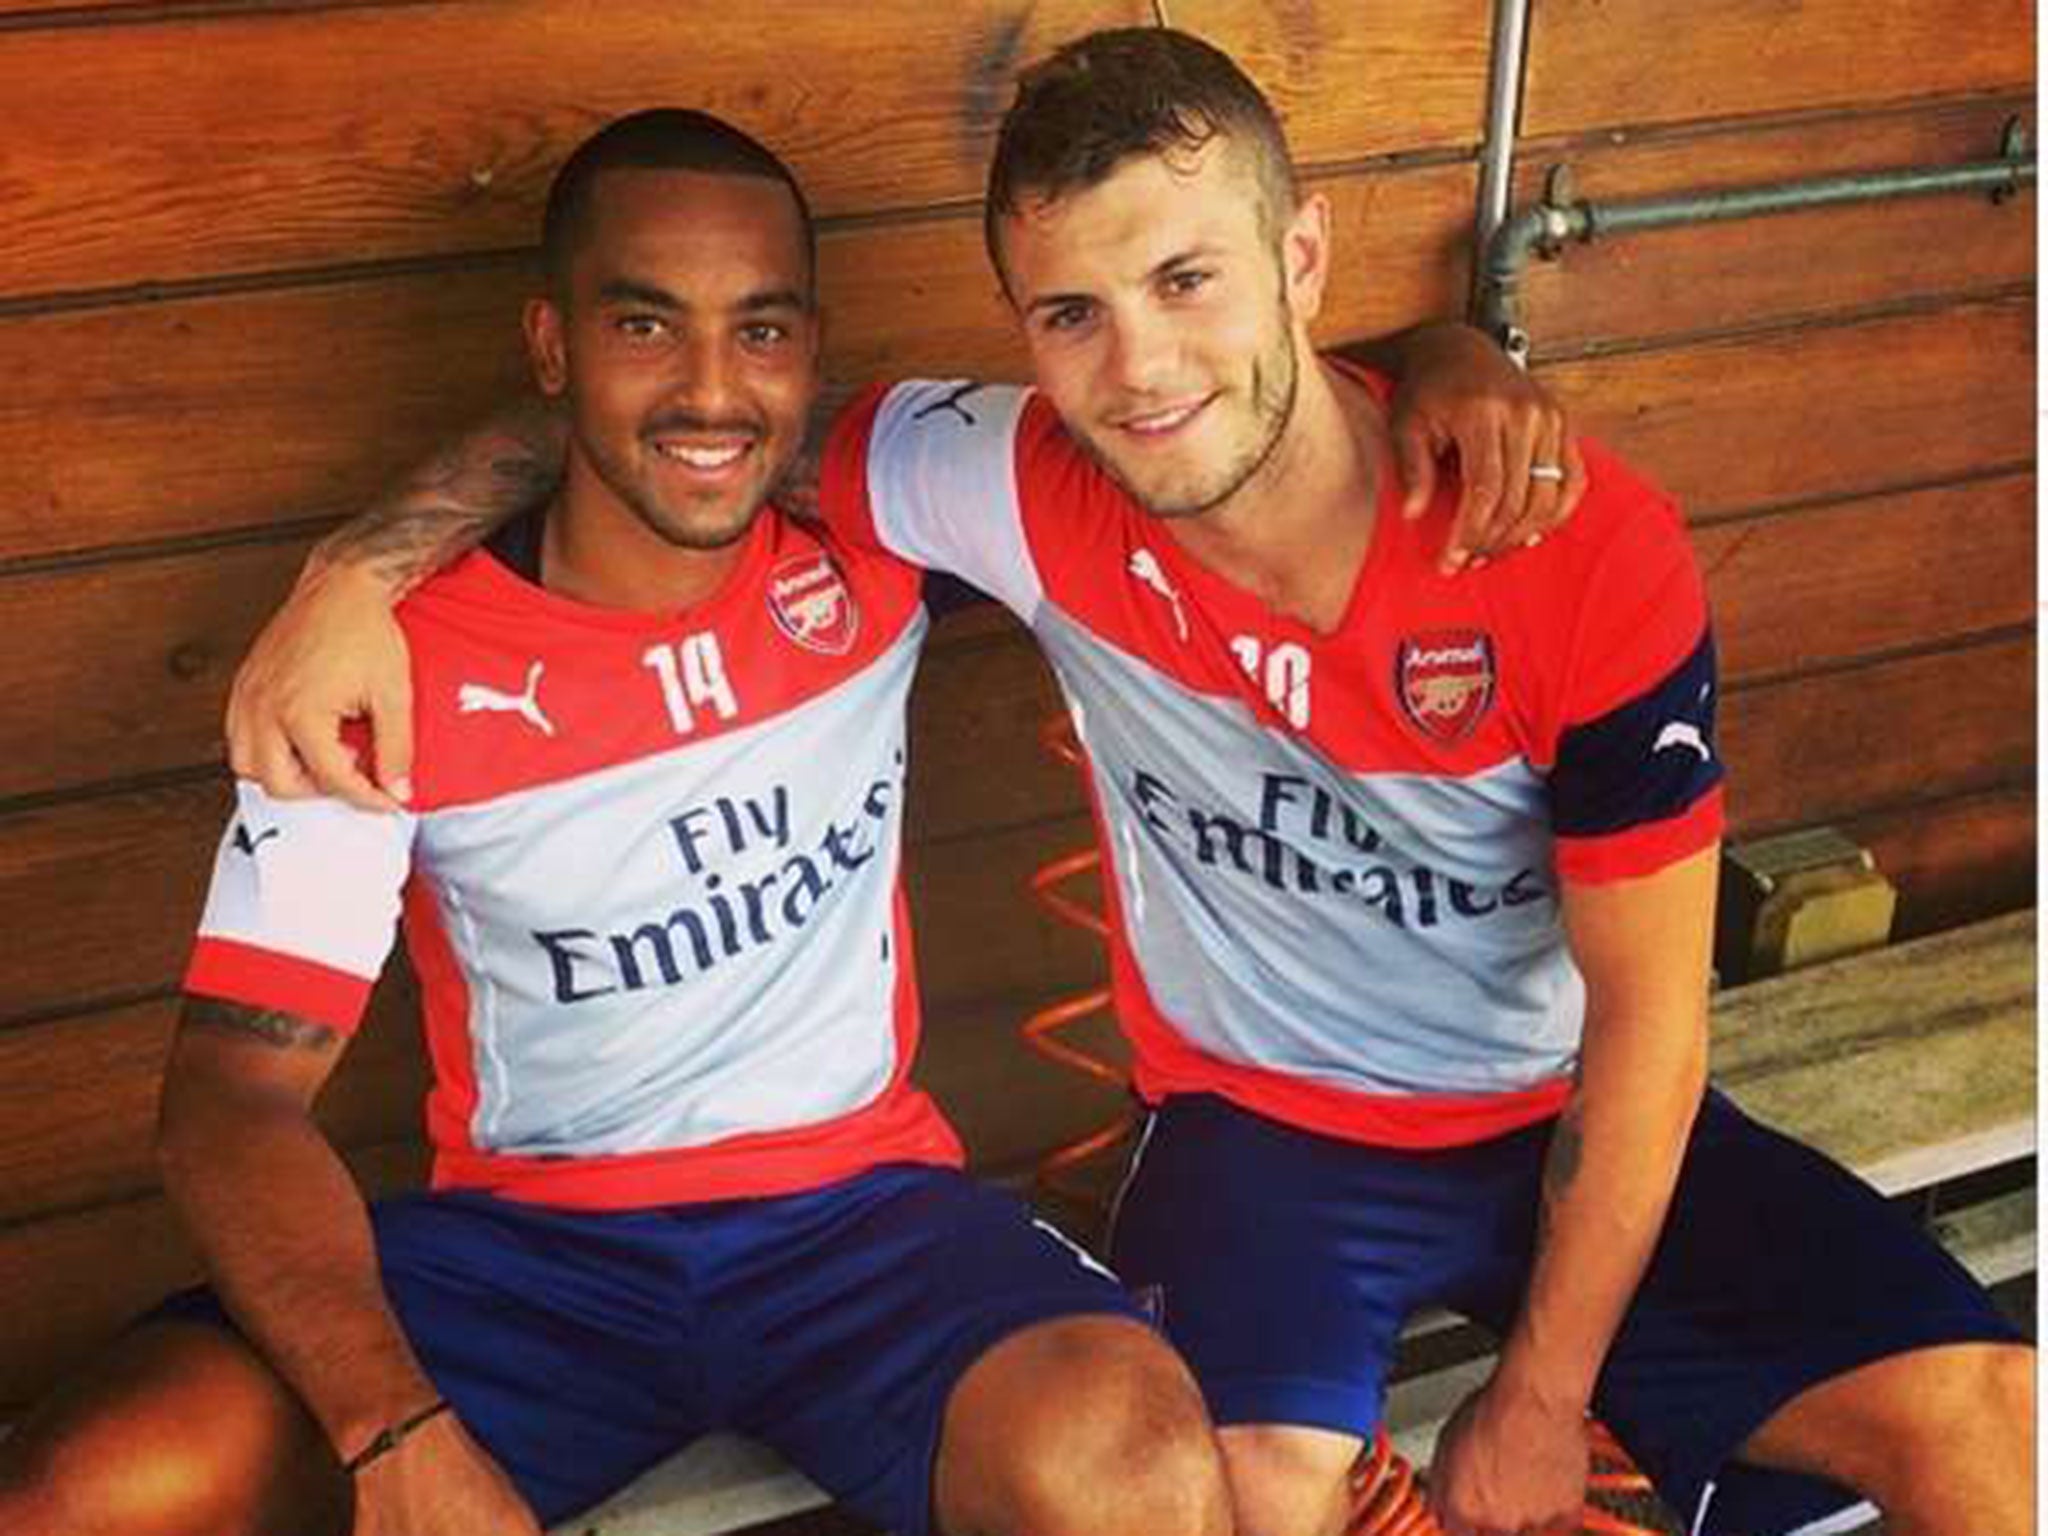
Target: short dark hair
665,139
1112,95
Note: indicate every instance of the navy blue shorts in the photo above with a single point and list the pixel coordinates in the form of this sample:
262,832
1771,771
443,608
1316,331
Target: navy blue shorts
1284,1263
580,1348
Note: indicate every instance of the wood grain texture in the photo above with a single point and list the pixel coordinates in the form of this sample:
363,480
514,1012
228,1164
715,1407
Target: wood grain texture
134,1252
78,1098
1825,747
135,422
1955,861
150,421
360,135
132,670
1711,277
354,135
1940,1032
107,893
1349,80
1796,415
1824,584
1606,64
116,11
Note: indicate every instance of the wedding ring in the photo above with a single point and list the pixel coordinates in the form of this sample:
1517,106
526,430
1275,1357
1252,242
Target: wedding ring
1553,472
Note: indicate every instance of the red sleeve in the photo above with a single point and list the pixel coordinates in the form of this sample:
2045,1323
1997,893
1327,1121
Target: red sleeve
843,503
1634,773
262,978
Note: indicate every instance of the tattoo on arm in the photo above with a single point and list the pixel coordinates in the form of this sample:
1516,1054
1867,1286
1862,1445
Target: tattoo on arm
286,1031
454,501
1561,1163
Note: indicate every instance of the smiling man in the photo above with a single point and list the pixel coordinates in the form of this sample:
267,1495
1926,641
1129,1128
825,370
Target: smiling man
651,887
1411,883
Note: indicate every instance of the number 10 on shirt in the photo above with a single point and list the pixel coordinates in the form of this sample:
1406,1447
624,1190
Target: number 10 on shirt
1282,671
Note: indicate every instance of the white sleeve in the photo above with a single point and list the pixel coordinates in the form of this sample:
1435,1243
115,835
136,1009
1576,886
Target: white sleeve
304,904
942,484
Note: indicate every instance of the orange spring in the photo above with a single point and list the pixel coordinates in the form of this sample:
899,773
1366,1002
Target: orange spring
1387,1499
1613,1473
1040,1029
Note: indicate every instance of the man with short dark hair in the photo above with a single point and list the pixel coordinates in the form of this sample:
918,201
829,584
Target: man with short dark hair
1411,881
651,888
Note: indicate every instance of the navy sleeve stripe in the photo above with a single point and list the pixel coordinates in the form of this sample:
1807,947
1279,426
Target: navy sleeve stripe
1647,760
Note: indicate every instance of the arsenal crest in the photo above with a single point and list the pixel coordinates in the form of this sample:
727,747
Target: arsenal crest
813,605
1444,681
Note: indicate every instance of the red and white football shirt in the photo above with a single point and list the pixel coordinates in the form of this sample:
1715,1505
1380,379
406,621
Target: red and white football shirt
1334,859
651,885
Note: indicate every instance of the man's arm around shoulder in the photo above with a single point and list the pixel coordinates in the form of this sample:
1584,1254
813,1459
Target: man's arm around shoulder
334,652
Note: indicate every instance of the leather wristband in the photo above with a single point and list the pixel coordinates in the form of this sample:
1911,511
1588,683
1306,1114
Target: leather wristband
392,1436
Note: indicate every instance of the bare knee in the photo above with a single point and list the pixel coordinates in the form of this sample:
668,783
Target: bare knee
1940,1438
177,1432
1970,1415
1286,1480
1080,1425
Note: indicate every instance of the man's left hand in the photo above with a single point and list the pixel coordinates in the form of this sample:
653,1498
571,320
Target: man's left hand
1520,469
1508,1464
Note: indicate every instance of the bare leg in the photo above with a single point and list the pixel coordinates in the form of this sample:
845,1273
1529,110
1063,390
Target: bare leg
1287,1480
1087,1426
1941,1439
181,1430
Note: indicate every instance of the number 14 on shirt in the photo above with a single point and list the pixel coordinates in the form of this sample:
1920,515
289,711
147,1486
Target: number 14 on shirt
692,676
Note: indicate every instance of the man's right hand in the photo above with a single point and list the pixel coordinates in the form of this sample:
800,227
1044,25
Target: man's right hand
439,1482
334,652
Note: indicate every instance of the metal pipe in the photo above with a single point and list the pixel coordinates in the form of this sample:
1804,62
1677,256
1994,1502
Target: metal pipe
1546,227
1503,116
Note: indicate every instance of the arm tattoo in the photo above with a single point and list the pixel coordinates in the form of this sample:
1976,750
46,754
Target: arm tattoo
454,501
1561,1166
286,1031
1561,1162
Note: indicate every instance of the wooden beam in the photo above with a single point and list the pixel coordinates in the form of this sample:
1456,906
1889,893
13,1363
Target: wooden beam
1910,1064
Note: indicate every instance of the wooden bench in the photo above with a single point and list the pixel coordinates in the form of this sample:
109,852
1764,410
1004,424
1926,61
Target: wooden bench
1912,1065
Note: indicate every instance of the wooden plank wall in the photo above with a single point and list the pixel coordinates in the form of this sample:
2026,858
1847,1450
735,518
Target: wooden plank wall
1843,400
261,255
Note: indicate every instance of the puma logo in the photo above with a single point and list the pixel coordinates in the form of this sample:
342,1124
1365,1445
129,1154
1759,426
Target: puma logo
949,403
1145,566
472,697
1683,733
245,843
